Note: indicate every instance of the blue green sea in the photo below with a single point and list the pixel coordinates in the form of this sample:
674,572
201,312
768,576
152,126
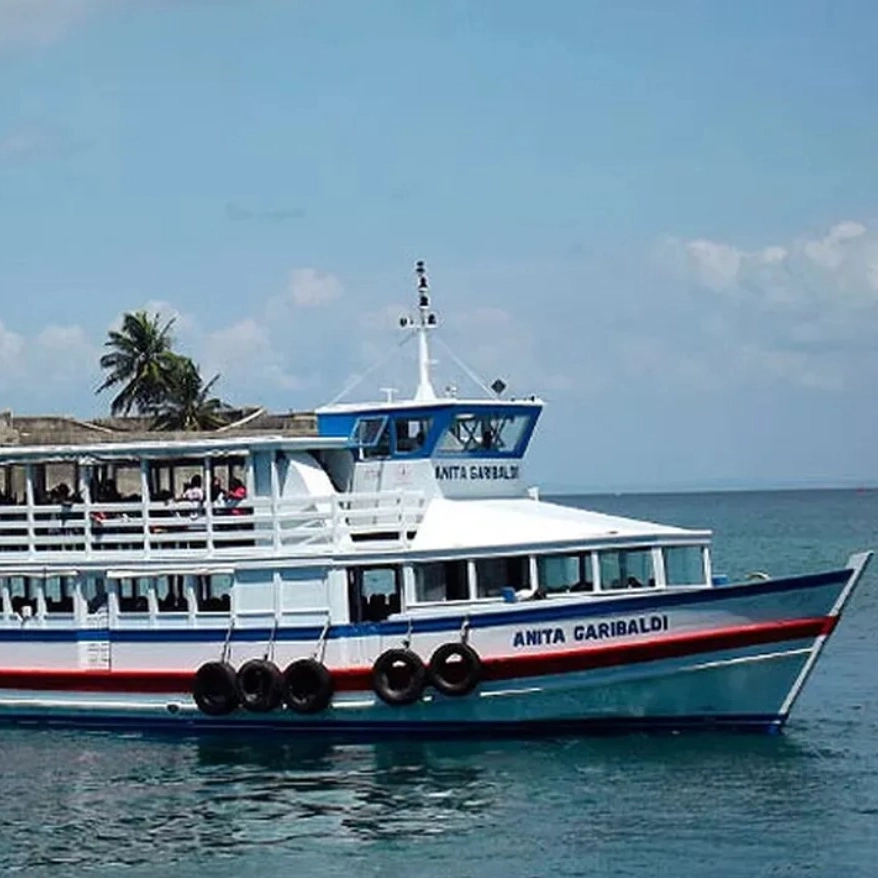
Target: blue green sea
804,803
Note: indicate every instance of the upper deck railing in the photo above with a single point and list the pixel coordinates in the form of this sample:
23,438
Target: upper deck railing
255,526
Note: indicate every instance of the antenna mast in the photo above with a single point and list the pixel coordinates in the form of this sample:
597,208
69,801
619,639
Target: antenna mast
422,324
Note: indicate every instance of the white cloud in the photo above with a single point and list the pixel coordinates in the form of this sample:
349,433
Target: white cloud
309,288
793,311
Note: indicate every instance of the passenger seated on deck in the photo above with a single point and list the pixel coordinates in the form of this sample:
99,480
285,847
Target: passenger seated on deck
193,491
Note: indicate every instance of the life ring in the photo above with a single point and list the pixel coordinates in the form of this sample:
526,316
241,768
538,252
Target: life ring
214,690
307,686
455,669
398,676
260,685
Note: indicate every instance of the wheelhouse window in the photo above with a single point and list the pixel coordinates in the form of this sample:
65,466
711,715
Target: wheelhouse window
372,436
493,575
559,574
684,565
626,568
496,433
441,581
374,593
410,434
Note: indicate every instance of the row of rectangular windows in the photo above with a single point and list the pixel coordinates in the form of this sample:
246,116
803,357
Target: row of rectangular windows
376,592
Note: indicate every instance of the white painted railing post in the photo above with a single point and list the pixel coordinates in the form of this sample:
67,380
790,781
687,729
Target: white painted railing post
29,497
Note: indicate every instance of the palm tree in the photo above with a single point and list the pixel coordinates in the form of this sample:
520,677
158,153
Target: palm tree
140,359
188,404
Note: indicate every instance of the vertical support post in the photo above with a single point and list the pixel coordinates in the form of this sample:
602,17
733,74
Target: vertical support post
275,492
208,503
145,500
29,499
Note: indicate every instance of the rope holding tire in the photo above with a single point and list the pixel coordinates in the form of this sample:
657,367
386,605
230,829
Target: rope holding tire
260,685
455,669
214,689
399,676
307,686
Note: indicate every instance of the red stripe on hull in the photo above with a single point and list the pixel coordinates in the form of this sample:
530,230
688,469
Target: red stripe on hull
500,668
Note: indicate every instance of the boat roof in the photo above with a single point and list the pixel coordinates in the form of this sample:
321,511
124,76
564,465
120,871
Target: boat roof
481,524
439,402
196,446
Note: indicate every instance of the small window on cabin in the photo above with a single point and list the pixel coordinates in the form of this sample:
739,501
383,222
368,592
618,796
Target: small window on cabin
374,593
564,573
213,592
58,594
441,581
684,565
134,595
493,433
410,434
22,594
94,593
495,574
626,568
170,594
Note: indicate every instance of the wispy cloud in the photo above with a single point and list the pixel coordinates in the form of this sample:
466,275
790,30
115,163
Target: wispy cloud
803,311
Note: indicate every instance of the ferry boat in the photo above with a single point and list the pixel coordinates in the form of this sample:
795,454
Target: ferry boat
386,571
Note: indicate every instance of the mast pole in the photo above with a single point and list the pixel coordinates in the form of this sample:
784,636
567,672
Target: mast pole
426,322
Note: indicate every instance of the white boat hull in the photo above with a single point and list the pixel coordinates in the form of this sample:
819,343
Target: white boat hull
734,656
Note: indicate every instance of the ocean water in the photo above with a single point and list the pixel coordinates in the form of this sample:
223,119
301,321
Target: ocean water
804,803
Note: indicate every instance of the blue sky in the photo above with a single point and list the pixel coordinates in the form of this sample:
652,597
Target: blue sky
659,216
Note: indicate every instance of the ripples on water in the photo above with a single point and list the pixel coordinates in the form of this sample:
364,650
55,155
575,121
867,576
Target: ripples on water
805,803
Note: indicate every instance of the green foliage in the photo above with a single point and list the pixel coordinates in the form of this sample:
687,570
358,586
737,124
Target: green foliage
154,380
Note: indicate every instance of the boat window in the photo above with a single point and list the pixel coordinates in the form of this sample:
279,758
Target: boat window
13,480
58,593
22,594
116,482
171,594
374,593
564,573
441,581
626,568
372,436
134,595
480,433
94,593
495,574
410,434
213,592
55,483
684,565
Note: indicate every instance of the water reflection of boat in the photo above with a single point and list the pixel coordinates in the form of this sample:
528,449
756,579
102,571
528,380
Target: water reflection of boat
386,573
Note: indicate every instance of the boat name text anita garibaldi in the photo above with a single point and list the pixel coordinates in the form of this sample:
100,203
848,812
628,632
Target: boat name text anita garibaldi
590,631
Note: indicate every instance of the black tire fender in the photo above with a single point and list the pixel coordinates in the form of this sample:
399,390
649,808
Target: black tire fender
260,685
399,676
307,686
214,689
455,669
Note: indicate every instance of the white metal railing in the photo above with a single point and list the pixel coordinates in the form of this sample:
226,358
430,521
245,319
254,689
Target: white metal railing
254,525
